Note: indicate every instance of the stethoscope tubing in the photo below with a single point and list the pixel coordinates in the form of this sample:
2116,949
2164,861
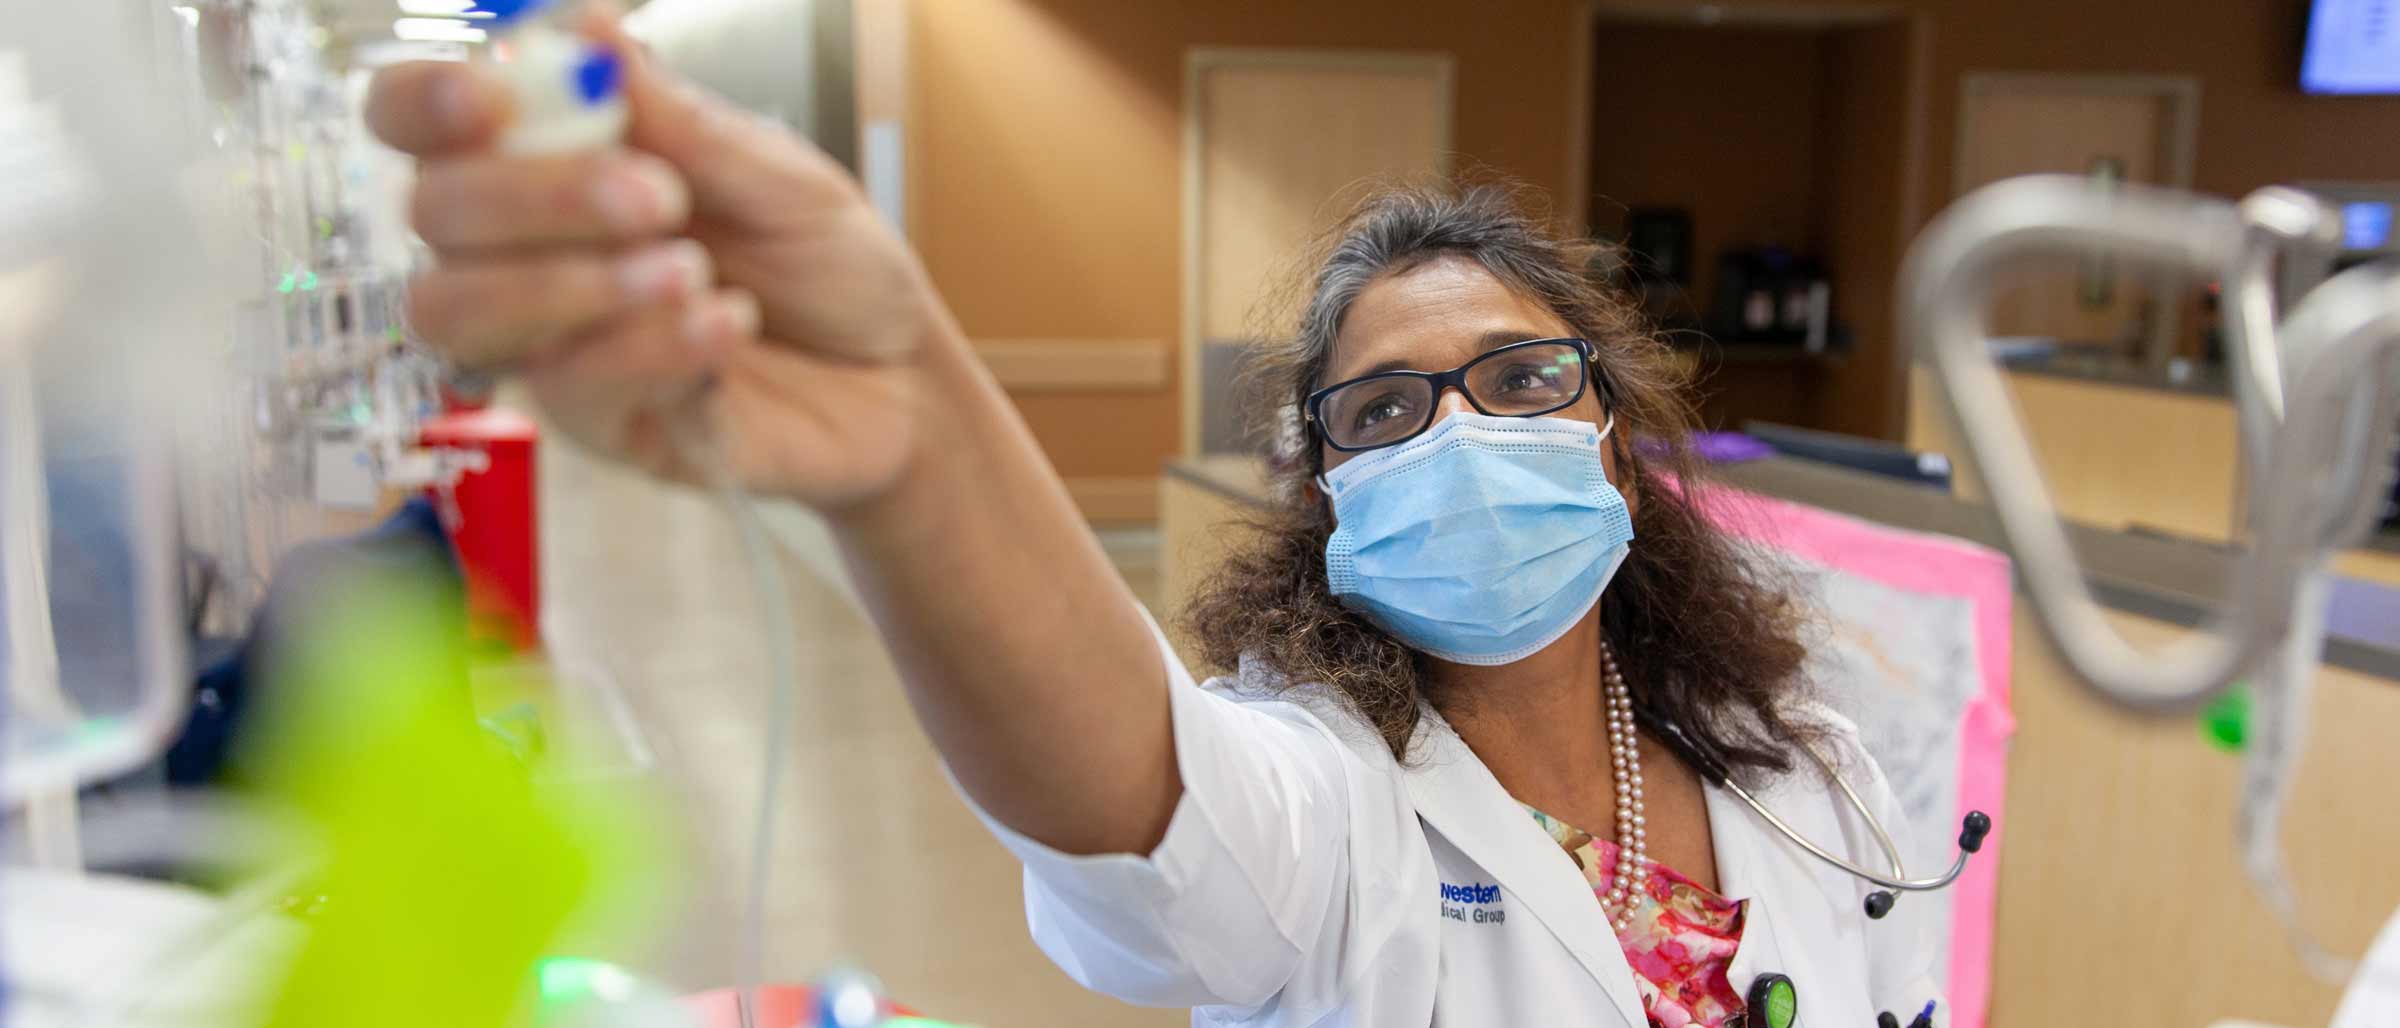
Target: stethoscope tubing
1883,839
1717,774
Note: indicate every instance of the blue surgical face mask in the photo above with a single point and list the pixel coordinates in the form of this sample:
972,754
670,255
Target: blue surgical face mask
1480,541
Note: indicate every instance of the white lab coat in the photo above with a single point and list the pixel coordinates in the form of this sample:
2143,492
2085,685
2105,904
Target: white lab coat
1299,883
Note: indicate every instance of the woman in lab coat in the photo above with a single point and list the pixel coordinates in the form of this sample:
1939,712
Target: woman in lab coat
1424,798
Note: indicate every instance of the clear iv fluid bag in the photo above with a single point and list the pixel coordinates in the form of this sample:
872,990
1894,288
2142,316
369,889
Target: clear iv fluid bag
93,658
99,278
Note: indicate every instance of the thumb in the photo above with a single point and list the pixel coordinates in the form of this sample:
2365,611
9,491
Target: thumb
743,168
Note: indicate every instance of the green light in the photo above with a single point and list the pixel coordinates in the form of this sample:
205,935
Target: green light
2226,721
568,981
1569,358
308,282
393,334
289,283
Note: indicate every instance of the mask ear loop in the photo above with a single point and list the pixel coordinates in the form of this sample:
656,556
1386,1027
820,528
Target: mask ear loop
1624,460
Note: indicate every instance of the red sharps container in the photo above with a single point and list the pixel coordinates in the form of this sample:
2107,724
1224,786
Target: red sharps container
492,518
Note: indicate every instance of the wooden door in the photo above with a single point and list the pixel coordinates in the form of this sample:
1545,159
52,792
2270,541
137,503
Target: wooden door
2105,127
1276,142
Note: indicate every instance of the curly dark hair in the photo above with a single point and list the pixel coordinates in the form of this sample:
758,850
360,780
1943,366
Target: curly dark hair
1707,636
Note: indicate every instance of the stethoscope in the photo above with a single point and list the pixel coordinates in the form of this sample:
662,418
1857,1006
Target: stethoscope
1971,830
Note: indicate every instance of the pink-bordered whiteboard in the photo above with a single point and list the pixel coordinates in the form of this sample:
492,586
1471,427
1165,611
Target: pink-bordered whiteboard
1940,566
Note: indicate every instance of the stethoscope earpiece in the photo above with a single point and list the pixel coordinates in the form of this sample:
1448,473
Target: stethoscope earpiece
1880,903
1971,831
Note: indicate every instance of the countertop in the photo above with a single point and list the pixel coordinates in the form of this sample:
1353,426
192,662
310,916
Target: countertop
2195,378
2167,579
2191,379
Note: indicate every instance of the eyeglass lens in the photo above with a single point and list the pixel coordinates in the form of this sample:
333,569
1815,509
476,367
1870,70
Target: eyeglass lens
1517,381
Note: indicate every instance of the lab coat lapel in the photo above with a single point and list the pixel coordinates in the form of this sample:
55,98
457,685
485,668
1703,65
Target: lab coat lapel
1456,794
1755,862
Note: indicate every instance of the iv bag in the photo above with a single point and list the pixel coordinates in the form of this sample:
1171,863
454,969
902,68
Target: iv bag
91,641
97,278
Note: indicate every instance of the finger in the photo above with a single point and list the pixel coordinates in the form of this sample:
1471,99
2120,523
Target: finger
622,389
740,165
432,108
492,201
651,358
500,312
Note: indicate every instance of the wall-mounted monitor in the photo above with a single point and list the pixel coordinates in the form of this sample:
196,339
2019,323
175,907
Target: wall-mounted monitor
2353,48
2367,225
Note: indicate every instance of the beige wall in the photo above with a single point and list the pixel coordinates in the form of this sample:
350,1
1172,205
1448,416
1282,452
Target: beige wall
2256,127
1048,143
2122,896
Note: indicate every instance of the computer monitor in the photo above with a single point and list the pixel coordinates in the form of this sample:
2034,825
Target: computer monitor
2367,225
2353,48
1873,456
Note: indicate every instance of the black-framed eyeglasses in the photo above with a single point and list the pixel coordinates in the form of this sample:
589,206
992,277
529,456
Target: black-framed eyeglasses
1520,380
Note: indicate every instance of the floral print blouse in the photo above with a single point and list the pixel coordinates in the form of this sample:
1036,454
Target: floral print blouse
1681,940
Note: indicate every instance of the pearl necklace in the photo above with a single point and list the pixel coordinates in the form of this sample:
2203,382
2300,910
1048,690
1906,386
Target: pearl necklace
1633,835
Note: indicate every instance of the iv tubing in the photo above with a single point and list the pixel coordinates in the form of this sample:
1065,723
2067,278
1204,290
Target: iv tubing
775,624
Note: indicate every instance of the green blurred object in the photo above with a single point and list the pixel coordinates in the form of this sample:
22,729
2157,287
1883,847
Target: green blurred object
576,992
449,872
567,981
2226,722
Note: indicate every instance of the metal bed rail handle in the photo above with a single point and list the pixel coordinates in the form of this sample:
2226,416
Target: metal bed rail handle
2278,221
2331,463
1945,288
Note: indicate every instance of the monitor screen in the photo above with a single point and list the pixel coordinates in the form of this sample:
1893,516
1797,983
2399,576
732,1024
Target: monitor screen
2366,226
2353,47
